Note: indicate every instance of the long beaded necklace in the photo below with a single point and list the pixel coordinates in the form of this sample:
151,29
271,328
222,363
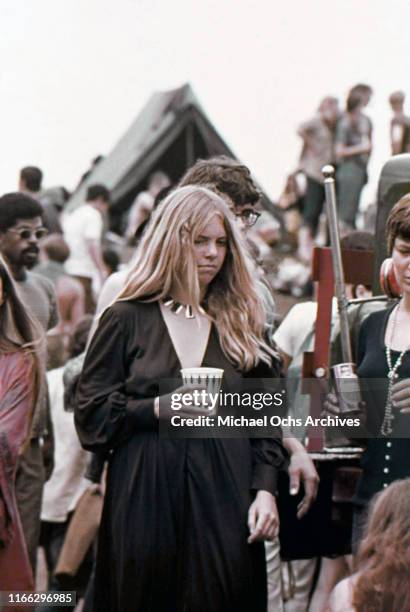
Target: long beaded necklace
387,427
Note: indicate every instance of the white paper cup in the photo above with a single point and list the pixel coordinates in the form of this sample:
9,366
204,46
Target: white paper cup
210,378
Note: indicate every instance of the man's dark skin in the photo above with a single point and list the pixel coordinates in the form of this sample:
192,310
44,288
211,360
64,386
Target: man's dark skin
21,253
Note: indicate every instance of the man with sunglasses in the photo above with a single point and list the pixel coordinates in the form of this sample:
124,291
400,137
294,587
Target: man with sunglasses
21,229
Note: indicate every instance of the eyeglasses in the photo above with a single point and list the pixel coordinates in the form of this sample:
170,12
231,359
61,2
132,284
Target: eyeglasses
26,234
249,217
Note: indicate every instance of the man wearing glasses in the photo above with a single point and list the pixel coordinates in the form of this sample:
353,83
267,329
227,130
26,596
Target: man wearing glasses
21,229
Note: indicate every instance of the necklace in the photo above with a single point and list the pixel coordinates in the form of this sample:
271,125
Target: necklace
177,308
387,425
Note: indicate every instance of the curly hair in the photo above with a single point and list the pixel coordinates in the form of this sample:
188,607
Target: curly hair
398,222
16,205
225,175
383,559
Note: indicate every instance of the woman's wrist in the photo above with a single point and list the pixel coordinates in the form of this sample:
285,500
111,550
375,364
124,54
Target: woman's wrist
263,493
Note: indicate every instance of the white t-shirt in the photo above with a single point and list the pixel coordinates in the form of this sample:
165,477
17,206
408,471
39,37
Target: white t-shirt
297,324
67,482
294,328
80,226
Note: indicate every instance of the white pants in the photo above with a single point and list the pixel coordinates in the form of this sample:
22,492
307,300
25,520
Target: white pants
273,571
297,577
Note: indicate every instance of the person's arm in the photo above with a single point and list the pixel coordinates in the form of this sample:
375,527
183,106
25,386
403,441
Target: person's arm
94,249
95,468
396,135
54,315
48,441
301,470
78,304
109,291
307,132
268,457
105,414
286,359
344,151
263,517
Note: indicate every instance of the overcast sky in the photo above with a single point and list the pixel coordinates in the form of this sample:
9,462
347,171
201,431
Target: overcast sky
75,73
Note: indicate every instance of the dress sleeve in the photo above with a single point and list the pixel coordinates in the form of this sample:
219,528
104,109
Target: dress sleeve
105,415
268,457
268,454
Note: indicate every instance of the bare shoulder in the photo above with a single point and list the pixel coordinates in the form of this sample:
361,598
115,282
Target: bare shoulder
341,599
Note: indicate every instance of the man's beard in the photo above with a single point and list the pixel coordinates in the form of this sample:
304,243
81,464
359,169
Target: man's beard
29,257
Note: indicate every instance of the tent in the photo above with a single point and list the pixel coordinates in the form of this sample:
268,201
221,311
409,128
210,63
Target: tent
171,132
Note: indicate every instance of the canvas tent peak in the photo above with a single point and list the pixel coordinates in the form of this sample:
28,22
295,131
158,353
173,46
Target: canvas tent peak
170,133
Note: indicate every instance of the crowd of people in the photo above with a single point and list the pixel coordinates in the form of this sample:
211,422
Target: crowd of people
343,139
88,350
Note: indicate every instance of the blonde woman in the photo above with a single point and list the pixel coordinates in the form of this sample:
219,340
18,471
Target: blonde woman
184,519
20,367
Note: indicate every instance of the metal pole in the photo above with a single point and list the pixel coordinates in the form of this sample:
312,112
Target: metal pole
340,288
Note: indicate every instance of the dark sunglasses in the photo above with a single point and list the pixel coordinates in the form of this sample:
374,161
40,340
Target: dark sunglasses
249,217
26,234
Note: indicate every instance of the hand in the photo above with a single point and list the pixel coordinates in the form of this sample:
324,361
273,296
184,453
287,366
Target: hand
263,518
331,405
302,468
401,395
165,410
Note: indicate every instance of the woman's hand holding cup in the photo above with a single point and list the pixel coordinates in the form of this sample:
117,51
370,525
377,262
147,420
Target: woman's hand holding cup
192,407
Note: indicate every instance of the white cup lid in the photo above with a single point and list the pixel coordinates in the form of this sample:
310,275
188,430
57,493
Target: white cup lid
217,372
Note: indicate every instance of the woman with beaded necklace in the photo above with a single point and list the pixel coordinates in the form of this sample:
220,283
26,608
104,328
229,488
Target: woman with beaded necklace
184,519
384,368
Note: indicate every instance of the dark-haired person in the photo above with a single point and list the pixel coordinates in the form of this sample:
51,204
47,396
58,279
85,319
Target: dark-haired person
21,364
21,229
353,148
83,231
295,336
318,150
70,292
52,200
30,180
383,366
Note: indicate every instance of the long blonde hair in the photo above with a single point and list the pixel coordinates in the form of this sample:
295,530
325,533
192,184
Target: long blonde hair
165,260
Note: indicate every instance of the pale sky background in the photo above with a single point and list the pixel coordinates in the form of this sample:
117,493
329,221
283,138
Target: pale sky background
74,74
